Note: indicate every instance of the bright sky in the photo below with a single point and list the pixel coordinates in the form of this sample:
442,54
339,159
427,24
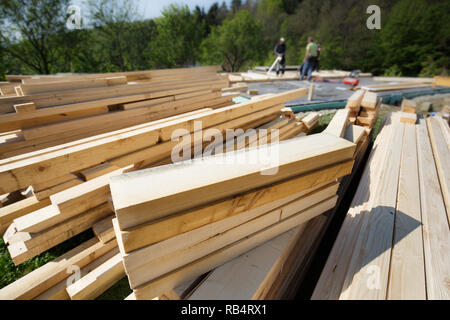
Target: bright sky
152,8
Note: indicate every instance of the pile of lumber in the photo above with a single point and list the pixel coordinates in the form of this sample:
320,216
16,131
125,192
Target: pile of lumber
51,111
364,108
395,86
276,268
77,193
395,239
195,225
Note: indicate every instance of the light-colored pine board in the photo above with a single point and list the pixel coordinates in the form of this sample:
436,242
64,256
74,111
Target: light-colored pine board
177,277
303,154
436,237
354,102
370,100
188,238
331,281
339,123
59,292
441,154
407,272
40,242
158,266
373,246
410,118
104,229
409,106
241,277
98,280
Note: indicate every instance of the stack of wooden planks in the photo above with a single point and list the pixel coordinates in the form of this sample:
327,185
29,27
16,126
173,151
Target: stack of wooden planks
395,86
394,241
71,108
195,225
65,209
276,268
364,108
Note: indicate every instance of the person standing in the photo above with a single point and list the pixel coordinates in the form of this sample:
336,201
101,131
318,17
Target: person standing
310,59
317,66
280,51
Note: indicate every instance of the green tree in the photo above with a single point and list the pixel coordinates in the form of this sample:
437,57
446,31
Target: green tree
33,32
113,21
415,37
235,44
176,39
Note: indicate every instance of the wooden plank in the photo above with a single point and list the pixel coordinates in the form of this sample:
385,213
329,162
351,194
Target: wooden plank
59,292
241,277
98,280
82,95
67,204
29,89
354,102
130,201
162,265
145,103
46,193
37,243
142,114
436,237
373,246
19,209
97,171
96,137
159,286
310,119
104,229
407,271
441,154
29,171
287,206
339,123
400,86
25,107
163,229
331,281
41,279
410,118
370,100
409,106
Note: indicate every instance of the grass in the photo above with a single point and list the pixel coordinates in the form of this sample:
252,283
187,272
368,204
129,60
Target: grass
10,273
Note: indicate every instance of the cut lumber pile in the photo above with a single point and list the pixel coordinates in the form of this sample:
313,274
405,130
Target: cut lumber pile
364,108
196,225
276,268
97,160
70,110
395,239
37,225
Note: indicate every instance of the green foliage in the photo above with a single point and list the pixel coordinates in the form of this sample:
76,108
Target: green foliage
34,33
234,44
176,39
413,40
